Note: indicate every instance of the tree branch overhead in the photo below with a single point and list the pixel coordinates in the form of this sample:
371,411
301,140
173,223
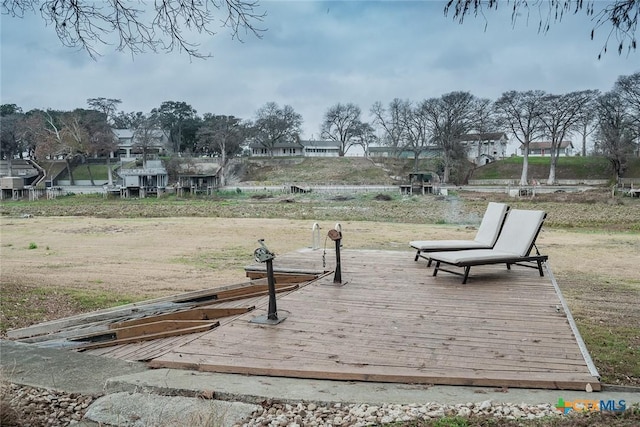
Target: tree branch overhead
620,17
161,25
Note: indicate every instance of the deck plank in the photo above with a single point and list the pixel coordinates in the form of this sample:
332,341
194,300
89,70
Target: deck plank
392,321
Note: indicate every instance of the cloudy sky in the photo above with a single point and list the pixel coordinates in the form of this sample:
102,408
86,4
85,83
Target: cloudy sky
314,55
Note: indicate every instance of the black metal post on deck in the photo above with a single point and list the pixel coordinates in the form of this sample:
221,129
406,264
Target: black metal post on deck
337,277
336,236
263,254
272,314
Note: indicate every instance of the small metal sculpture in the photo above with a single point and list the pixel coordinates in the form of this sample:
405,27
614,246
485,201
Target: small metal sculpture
263,254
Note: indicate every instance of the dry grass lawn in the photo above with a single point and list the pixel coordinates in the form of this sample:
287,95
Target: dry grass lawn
49,262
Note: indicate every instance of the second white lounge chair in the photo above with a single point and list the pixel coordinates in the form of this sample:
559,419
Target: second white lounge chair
486,236
513,247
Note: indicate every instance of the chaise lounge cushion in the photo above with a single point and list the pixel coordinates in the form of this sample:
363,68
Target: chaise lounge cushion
515,241
485,237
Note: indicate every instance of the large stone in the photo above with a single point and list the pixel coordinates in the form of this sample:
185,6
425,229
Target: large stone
139,410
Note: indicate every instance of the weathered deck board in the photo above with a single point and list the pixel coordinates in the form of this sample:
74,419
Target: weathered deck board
392,321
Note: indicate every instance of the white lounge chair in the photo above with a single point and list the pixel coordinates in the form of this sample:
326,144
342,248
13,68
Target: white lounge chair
485,237
513,247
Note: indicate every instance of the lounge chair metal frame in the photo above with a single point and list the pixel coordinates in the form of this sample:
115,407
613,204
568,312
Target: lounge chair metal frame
538,259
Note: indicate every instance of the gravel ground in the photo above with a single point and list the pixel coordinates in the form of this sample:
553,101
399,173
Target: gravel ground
366,415
27,406
39,407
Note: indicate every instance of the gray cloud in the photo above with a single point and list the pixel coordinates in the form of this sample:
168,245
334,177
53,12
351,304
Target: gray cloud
314,55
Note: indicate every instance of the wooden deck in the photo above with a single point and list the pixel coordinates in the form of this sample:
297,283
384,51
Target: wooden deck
391,321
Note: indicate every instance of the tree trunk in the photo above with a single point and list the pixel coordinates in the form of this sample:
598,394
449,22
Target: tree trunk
90,174
447,170
223,169
584,141
525,164
71,180
445,174
552,167
110,183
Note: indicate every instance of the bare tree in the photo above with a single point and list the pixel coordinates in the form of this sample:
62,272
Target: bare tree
366,137
629,89
343,125
415,129
585,125
618,17
390,120
222,135
520,112
274,125
78,139
56,138
560,115
484,121
85,24
146,135
615,132
101,141
449,117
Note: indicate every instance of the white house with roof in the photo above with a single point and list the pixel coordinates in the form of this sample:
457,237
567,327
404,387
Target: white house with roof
129,145
318,148
543,148
485,147
306,148
481,148
279,149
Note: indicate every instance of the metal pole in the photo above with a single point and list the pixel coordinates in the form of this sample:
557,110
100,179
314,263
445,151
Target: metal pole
337,278
263,254
273,310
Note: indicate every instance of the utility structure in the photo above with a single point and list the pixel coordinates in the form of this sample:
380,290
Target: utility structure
263,254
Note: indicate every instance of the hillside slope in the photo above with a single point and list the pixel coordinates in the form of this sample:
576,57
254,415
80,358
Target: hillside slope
321,171
568,168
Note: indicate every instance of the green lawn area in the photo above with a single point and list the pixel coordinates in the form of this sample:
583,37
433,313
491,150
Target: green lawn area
568,168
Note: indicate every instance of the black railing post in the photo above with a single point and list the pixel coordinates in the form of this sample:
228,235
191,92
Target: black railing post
273,309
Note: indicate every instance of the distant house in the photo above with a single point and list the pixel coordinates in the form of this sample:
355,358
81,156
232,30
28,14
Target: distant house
543,148
140,182
315,148
383,151
483,148
129,145
279,149
198,178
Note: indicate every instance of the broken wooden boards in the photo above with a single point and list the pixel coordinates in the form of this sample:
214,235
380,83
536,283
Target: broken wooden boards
177,315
